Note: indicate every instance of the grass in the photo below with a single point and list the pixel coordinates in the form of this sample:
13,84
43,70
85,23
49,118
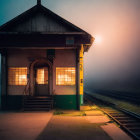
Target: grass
82,113
69,113
58,112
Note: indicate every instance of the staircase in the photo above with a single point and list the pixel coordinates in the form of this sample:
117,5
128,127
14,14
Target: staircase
38,103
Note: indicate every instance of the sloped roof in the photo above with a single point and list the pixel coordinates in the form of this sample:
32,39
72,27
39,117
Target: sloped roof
38,8
17,25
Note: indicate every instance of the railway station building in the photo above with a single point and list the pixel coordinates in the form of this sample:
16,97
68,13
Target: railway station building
41,61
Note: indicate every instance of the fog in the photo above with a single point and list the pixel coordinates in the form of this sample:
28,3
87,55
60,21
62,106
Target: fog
112,63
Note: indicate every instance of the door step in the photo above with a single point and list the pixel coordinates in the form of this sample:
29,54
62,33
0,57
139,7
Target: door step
38,103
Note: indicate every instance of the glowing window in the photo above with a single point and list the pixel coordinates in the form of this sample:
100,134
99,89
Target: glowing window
42,76
17,76
65,76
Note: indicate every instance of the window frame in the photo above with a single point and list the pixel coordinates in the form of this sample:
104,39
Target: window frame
73,77
12,82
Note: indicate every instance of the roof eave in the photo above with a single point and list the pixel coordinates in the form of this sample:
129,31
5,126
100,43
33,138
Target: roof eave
88,46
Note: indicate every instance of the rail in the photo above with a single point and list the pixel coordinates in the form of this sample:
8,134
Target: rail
26,89
129,121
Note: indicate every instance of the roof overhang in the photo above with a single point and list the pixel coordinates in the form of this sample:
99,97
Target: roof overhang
44,39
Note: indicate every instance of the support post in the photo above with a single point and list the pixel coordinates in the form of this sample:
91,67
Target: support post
77,80
81,74
0,83
3,78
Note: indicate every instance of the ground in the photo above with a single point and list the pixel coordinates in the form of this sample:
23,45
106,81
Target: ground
88,124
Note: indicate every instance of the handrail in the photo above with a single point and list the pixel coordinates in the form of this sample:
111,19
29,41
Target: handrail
26,87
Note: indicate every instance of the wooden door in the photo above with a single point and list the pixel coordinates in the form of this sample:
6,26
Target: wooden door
42,81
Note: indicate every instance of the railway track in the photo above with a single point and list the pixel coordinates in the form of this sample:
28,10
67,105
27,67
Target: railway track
131,97
128,121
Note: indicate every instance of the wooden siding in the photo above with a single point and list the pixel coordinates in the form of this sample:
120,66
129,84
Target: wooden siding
24,57
40,22
64,58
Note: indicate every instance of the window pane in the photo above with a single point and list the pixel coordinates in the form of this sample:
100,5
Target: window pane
17,76
42,76
65,76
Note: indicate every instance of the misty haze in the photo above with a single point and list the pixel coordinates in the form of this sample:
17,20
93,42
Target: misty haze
113,62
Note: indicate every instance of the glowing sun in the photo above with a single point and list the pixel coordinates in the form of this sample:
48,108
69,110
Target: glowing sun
98,39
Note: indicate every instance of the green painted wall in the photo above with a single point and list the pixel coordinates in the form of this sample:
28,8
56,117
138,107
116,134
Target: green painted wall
15,102
81,100
10,102
65,101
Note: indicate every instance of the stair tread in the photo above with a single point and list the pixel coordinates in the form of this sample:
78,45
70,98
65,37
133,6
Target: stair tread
38,97
38,103
37,109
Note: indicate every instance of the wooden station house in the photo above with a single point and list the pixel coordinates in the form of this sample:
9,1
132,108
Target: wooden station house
41,61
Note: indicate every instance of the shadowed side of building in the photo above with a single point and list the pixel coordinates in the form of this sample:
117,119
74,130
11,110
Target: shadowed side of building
42,61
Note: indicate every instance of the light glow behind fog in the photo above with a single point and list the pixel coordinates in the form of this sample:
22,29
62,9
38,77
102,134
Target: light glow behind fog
113,61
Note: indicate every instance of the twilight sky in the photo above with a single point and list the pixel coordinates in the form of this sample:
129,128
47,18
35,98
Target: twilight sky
113,60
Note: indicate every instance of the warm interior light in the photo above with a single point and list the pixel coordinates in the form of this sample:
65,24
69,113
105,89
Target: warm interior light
17,76
42,76
65,76
22,79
